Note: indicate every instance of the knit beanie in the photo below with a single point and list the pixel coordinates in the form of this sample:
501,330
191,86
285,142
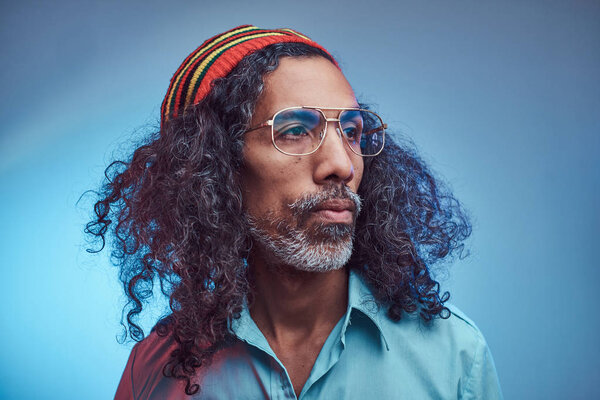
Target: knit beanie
215,58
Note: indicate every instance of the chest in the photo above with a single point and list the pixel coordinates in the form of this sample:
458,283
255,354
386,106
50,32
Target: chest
345,374
299,359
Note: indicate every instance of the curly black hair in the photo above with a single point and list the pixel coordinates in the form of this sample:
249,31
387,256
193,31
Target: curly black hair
174,213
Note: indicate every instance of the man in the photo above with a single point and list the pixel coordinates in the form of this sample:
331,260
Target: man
292,237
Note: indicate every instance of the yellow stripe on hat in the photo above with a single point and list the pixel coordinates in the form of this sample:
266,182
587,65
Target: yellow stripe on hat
295,33
199,53
215,53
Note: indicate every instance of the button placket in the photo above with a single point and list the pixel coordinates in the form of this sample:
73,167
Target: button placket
281,387
282,379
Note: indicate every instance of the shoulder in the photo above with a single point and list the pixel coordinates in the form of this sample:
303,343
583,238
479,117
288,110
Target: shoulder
154,350
461,327
444,343
481,378
458,329
446,336
143,375
450,351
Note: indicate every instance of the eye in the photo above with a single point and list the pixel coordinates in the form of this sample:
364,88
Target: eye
292,131
352,125
352,132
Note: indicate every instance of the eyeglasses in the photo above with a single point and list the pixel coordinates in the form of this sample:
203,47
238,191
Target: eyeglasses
299,131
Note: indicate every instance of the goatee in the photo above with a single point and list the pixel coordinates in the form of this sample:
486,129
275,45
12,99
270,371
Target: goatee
320,247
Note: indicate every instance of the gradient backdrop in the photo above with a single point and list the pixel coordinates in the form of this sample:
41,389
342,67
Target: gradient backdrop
502,98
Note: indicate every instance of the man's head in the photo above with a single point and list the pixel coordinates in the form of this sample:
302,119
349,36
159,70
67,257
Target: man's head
302,209
207,190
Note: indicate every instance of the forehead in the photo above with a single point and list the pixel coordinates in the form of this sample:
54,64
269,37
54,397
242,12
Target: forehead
304,81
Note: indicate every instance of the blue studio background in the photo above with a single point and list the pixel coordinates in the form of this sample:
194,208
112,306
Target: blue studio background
502,99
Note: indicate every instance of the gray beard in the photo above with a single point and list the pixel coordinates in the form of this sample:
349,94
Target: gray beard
324,247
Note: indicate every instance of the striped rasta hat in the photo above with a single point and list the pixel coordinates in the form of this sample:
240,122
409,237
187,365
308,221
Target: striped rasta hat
215,58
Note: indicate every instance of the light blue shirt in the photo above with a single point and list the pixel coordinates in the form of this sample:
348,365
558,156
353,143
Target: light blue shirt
366,356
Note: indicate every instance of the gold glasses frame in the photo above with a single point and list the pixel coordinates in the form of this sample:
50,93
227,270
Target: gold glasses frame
327,120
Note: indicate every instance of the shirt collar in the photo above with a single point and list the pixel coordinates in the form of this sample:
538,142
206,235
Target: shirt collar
360,298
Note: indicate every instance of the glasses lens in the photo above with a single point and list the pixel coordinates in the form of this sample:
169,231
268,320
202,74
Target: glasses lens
363,130
298,131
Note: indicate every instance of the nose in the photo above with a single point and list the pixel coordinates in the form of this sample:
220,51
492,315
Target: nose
334,158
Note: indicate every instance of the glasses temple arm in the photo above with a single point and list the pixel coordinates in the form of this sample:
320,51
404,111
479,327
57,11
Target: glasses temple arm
381,128
268,123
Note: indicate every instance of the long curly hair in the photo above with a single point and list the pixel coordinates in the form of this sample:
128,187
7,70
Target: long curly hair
173,214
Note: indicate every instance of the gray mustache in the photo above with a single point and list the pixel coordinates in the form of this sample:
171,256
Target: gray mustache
310,201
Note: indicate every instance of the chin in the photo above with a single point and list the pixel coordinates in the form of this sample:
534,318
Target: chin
322,257
331,232
326,247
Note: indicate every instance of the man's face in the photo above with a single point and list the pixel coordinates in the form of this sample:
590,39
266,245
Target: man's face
302,209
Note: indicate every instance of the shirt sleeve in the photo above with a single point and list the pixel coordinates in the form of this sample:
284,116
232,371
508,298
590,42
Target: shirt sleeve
125,388
482,381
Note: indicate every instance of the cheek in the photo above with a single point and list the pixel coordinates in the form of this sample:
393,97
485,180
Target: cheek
255,192
266,183
359,166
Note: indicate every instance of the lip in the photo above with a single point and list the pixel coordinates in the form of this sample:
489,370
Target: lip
336,217
336,205
336,211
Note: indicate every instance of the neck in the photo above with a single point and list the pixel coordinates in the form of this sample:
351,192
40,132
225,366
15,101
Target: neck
289,304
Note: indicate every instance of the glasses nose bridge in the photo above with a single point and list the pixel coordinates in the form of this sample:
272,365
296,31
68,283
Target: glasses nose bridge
338,126
332,119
